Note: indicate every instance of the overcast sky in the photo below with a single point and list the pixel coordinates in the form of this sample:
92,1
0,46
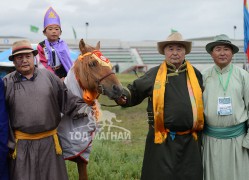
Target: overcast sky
127,20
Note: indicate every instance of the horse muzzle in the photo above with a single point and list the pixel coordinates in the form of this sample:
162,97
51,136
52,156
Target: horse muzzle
113,93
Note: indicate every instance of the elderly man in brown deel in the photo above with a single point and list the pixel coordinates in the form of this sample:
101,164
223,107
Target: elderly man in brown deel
175,114
36,98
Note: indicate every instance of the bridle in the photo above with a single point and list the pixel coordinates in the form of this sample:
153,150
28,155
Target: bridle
105,76
100,86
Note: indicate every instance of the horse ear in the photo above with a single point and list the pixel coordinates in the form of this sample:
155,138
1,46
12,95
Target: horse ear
82,46
98,46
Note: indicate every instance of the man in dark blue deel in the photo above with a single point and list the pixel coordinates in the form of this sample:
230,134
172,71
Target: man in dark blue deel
3,135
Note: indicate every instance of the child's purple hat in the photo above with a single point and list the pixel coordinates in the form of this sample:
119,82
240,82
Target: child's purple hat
51,18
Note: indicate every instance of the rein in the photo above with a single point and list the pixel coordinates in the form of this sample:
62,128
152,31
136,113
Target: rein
101,79
106,105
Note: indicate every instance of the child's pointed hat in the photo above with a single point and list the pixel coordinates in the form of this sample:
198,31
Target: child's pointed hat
51,18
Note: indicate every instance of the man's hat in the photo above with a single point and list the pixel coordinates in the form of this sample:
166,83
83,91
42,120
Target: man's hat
174,38
23,46
51,18
221,40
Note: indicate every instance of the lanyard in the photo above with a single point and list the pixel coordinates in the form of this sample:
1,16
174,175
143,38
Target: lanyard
228,78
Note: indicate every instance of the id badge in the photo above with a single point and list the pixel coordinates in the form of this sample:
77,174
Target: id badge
224,106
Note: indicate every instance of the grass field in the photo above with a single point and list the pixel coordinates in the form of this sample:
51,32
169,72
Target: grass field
118,159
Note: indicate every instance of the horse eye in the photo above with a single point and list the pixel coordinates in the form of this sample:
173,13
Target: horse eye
93,64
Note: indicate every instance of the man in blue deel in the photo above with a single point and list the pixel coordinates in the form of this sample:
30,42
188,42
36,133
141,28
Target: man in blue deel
3,135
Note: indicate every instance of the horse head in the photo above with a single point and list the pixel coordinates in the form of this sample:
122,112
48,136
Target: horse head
94,72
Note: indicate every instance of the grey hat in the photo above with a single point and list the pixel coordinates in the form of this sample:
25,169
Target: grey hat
221,40
174,38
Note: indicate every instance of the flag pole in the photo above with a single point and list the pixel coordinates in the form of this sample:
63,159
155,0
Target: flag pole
234,29
87,24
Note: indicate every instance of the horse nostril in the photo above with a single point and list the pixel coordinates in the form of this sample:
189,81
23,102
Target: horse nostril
116,89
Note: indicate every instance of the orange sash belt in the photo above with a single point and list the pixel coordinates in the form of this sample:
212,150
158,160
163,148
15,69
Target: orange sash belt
194,134
27,136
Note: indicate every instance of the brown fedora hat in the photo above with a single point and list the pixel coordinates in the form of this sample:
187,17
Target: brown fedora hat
19,47
174,38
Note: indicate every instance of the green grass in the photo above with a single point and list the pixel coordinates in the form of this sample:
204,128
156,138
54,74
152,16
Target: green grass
120,159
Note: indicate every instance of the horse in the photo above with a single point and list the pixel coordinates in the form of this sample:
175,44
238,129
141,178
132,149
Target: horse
90,76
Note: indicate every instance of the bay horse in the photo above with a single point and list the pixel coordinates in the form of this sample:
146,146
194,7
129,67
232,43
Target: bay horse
90,76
